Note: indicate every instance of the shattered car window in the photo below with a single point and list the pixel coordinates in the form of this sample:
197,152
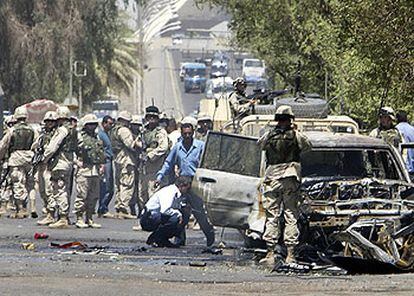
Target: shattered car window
232,154
350,164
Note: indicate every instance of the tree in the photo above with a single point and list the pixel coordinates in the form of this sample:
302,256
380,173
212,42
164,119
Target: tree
365,47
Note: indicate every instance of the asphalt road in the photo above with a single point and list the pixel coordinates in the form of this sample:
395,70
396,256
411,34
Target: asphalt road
117,262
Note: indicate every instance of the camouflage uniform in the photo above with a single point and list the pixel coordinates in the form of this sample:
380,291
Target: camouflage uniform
281,184
239,103
18,143
59,154
91,157
391,136
123,147
157,144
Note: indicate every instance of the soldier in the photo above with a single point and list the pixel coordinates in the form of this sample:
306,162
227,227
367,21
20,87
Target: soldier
239,103
386,130
6,189
283,147
59,156
155,140
43,185
90,161
205,123
123,146
137,126
18,143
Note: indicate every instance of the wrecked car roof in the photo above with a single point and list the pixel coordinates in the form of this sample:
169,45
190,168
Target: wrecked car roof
326,140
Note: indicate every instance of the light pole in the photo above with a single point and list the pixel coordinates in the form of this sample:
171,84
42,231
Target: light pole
79,70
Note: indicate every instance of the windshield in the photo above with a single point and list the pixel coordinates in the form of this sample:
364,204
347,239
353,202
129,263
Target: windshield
195,72
350,164
105,105
222,88
232,154
221,68
253,64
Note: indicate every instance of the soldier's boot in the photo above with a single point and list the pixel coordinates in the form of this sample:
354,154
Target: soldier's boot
3,208
269,260
93,224
126,215
21,211
290,258
80,223
33,212
61,223
47,220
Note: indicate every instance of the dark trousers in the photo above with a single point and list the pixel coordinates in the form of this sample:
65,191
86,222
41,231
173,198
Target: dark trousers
107,188
163,227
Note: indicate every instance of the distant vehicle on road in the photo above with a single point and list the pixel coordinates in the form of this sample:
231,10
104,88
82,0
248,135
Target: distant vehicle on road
219,68
109,106
195,77
253,70
182,70
217,87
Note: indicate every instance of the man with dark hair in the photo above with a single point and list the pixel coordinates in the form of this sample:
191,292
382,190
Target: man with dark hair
164,213
407,132
186,155
107,182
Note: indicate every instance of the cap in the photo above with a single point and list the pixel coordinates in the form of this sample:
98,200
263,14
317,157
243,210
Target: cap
125,115
20,112
137,119
204,117
89,119
284,111
188,120
63,112
50,116
152,110
387,111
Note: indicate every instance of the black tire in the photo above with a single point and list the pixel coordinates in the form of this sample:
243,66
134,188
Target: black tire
306,107
186,90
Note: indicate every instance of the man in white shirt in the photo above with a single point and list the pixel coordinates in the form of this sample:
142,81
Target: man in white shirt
163,213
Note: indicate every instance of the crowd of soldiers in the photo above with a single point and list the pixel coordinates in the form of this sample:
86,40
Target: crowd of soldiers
90,162
147,163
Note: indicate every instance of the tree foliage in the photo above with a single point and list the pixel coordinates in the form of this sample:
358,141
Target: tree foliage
37,37
364,47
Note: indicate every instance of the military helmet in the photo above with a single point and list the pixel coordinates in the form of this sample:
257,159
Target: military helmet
204,117
387,111
152,110
239,80
137,119
89,119
284,112
20,112
9,119
125,115
50,116
63,112
189,120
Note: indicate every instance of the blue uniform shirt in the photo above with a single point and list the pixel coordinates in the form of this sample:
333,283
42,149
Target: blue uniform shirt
187,161
407,131
106,143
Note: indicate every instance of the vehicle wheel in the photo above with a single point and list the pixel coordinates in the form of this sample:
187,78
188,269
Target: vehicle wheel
202,90
306,107
186,90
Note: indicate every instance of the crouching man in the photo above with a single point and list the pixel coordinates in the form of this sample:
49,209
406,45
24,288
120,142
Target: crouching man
165,214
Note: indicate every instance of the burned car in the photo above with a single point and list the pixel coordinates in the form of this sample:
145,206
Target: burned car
347,179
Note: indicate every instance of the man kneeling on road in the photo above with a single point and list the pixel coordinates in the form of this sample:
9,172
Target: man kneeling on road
165,214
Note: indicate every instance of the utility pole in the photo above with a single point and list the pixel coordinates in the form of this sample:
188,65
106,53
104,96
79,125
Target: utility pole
70,73
80,72
1,111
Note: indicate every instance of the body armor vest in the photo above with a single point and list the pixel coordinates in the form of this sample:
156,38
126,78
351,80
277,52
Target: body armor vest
150,138
116,142
92,151
22,137
282,147
390,136
70,143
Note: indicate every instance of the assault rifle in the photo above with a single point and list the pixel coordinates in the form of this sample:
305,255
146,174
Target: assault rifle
265,97
143,158
38,156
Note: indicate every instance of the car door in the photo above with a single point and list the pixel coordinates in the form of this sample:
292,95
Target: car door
228,180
